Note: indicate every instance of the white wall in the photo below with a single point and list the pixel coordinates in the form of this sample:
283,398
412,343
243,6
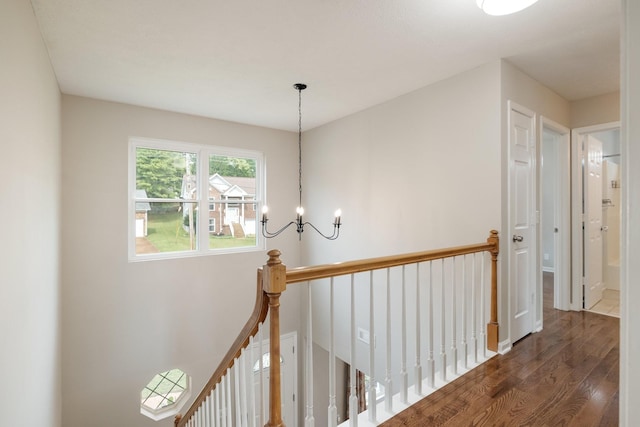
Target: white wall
595,110
630,260
418,172
30,215
124,322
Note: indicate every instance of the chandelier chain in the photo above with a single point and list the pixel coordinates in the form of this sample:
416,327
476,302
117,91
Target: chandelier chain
300,144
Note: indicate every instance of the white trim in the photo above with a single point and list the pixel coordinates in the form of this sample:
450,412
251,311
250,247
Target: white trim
549,270
577,152
504,346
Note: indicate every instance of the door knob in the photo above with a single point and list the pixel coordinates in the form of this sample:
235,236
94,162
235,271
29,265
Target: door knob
517,238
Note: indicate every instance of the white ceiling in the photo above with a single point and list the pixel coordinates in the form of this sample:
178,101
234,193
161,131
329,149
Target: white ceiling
237,59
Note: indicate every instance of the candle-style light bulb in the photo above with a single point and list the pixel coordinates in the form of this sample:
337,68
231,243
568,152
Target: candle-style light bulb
338,214
265,209
300,210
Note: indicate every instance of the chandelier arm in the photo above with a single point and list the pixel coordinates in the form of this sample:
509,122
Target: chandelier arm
334,236
266,233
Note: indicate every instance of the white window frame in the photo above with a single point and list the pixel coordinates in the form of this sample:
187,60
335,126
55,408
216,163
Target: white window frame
203,153
169,410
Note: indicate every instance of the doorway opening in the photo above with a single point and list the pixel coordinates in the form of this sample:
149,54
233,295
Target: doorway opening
554,205
597,216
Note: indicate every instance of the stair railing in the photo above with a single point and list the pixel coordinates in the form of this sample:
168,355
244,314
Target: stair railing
273,279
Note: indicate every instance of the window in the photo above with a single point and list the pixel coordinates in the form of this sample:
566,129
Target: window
179,188
266,362
165,394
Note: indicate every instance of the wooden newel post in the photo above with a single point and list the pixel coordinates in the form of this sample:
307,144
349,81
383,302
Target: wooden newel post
274,282
492,327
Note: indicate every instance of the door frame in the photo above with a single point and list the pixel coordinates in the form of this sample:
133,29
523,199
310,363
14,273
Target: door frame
562,217
577,240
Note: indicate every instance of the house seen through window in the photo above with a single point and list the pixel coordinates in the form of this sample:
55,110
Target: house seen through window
179,189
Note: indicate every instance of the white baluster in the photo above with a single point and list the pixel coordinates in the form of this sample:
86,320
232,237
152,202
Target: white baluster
474,321
218,411
250,382
431,364
371,410
388,391
418,368
236,401
229,401
205,412
309,420
443,353
223,400
211,410
332,411
483,335
261,376
353,397
404,378
465,349
454,311
243,388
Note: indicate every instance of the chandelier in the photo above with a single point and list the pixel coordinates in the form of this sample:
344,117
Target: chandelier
298,222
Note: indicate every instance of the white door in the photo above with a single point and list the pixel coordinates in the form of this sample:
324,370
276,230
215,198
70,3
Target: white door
288,379
593,285
522,219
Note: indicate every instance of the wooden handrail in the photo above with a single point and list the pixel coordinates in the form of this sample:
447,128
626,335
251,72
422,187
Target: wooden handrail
303,274
258,315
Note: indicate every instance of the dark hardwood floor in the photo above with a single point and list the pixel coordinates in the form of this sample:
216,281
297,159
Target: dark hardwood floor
565,375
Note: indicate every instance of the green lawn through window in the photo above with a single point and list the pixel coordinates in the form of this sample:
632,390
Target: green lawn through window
165,232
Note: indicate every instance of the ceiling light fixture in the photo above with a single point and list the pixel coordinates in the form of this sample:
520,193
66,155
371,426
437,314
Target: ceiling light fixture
503,7
300,210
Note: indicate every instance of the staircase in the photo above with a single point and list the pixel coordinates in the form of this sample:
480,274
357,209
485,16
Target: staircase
411,323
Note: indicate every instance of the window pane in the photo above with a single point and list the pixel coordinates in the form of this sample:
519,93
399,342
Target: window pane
232,166
232,225
232,193
166,174
166,227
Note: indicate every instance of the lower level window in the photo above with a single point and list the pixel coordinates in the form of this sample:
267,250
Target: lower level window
165,394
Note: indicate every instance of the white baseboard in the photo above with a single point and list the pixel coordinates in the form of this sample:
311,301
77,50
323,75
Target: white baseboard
504,346
538,327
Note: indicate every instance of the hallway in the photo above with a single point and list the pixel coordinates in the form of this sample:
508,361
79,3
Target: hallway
565,375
